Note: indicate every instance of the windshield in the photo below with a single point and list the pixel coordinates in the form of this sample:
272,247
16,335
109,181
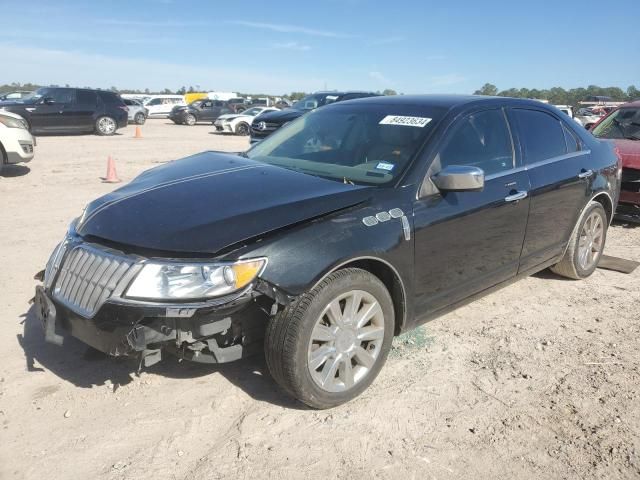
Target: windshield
311,102
623,123
252,112
368,144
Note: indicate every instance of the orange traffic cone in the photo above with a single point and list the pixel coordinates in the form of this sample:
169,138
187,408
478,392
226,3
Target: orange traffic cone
138,133
112,176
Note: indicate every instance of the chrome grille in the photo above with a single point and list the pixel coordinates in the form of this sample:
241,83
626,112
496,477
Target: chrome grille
88,277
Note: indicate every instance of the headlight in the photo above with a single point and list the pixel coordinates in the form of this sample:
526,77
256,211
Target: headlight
11,122
228,120
193,281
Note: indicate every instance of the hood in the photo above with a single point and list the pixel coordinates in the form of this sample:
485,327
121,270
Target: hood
629,151
7,113
231,116
280,116
210,201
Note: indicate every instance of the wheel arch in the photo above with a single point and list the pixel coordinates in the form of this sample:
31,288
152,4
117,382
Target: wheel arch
607,203
242,122
389,276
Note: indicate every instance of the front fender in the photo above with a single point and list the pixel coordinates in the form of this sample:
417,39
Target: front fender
301,256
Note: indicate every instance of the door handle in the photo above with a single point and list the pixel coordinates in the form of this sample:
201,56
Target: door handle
516,196
585,174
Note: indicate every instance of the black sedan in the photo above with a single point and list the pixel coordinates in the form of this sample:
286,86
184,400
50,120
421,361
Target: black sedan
351,225
204,110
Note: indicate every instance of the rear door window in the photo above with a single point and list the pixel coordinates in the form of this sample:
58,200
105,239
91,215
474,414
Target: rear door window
480,140
86,97
541,135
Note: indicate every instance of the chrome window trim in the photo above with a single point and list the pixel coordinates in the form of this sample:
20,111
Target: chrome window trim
513,145
537,164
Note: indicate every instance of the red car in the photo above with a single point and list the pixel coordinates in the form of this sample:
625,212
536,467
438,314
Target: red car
622,126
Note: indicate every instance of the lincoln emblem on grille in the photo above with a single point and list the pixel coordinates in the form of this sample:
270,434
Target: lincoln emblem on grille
261,126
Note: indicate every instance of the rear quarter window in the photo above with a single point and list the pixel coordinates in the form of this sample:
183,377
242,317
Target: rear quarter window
541,135
109,98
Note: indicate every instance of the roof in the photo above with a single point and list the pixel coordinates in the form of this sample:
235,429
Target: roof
635,103
340,92
444,101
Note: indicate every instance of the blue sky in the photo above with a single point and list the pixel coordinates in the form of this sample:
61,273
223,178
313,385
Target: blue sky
412,46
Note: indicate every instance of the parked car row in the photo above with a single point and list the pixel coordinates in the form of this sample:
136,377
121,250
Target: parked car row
16,142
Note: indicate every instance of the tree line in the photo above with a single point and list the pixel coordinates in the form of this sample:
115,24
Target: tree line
560,96
555,95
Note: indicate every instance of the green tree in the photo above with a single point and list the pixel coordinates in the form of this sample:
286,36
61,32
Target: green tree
296,95
633,93
487,89
389,91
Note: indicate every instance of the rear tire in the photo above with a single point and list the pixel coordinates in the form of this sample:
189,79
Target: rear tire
586,244
329,345
105,126
139,118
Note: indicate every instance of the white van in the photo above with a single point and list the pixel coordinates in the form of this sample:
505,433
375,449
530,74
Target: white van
160,106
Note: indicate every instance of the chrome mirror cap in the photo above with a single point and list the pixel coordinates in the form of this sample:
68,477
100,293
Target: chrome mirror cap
459,178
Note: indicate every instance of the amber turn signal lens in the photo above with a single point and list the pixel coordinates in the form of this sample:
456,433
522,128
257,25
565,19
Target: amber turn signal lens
246,272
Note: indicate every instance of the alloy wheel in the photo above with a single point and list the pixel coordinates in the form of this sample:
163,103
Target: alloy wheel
346,341
591,241
107,125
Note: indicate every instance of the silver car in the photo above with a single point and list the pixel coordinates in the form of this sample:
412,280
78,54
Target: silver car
137,113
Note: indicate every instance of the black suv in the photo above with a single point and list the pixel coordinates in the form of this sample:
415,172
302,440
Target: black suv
71,110
267,123
363,220
238,105
203,110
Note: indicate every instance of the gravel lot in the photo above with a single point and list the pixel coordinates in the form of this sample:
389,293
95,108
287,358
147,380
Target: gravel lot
538,380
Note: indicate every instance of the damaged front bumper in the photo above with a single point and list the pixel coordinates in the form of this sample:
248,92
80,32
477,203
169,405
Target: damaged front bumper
82,293
197,332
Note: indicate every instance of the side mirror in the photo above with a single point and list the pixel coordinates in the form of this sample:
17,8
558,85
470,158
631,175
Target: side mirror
459,178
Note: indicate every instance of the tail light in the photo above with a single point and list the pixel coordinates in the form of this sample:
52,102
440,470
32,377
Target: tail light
123,107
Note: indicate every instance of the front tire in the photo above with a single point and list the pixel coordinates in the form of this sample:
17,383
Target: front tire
105,126
139,118
190,120
242,129
329,345
586,244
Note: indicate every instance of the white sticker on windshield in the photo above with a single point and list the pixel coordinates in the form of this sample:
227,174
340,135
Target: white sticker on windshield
385,166
405,121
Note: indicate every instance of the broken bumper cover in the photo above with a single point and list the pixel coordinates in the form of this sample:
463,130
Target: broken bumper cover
629,203
198,332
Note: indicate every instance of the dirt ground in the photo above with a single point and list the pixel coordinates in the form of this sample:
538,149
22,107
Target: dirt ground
538,380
